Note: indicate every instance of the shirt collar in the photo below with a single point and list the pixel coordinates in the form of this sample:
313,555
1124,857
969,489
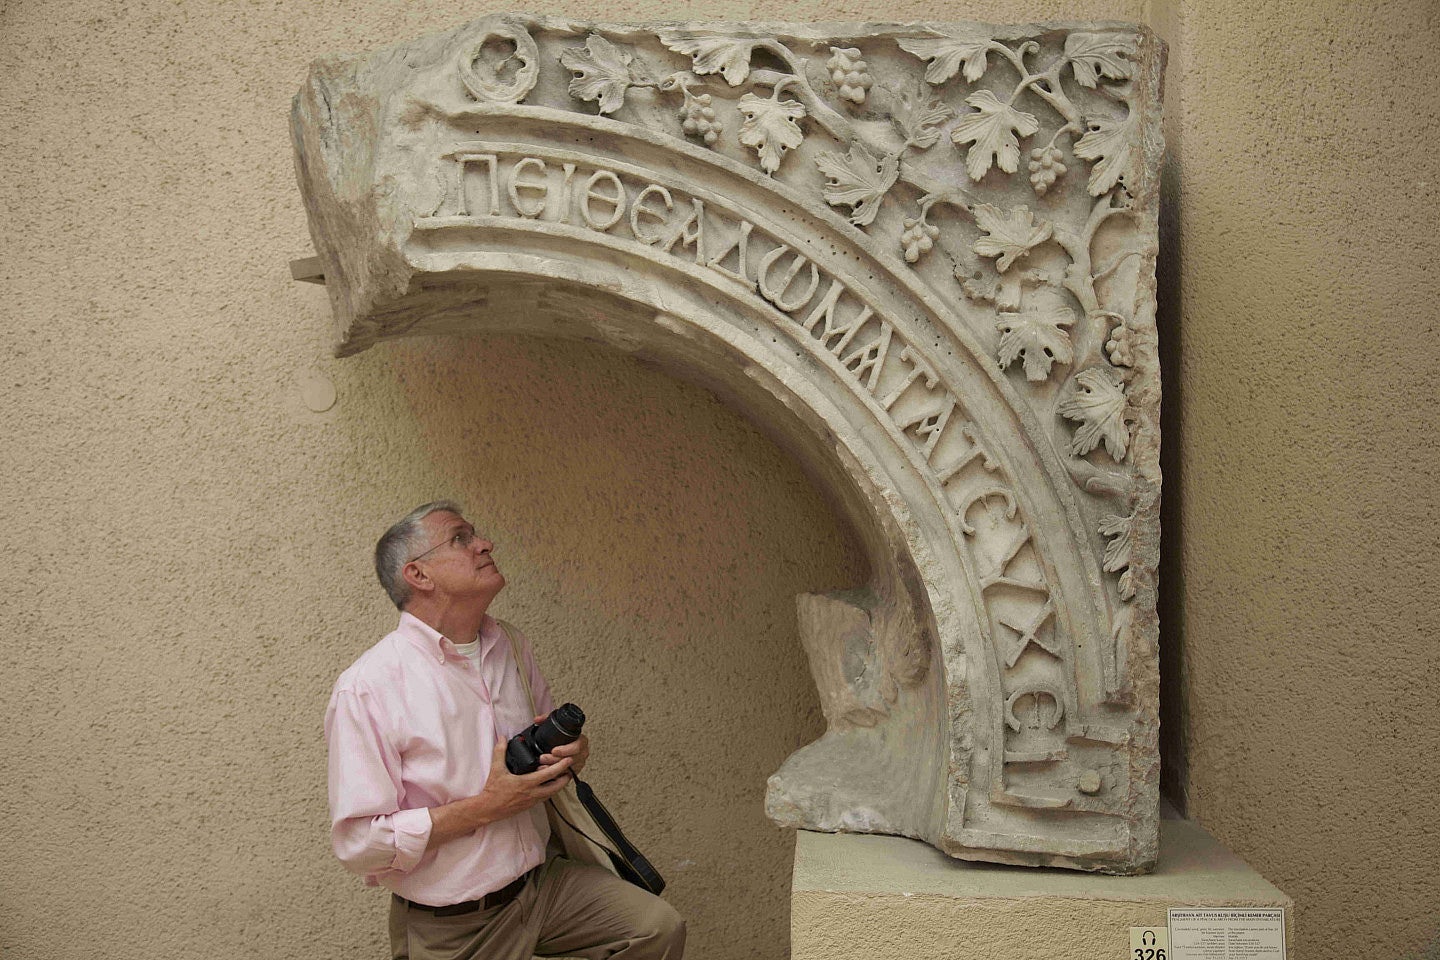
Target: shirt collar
434,643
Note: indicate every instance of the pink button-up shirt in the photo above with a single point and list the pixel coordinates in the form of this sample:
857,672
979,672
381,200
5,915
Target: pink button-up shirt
412,725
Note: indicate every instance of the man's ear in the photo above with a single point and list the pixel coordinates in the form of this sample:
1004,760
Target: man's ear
418,579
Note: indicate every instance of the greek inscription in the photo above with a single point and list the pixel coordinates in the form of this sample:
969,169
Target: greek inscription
528,206
740,247
1034,710
975,451
918,368
592,194
638,210
569,169
867,361
997,573
775,292
667,220
826,308
928,425
691,232
462,164
1029,632
984,495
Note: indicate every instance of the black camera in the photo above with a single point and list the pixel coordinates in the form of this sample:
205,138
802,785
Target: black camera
522,755
523,751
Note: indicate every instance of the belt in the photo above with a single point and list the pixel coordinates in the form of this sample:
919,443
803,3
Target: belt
495,898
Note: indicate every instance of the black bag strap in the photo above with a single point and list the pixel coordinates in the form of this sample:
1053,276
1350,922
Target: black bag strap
629,862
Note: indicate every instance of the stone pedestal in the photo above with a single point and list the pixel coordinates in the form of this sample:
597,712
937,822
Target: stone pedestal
879,898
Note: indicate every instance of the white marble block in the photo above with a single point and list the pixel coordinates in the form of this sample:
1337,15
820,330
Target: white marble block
922,255
879,898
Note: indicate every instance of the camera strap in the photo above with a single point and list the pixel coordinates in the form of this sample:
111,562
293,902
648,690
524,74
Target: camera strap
584,818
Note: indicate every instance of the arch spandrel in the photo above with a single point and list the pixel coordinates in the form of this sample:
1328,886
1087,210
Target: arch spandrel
846,244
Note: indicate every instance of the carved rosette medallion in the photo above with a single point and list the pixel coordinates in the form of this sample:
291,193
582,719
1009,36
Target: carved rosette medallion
925,254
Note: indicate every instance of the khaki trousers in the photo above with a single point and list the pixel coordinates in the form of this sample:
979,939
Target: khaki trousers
566,909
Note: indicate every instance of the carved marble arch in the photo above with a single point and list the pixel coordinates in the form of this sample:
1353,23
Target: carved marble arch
920,255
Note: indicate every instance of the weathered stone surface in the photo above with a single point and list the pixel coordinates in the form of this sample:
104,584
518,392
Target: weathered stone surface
923,256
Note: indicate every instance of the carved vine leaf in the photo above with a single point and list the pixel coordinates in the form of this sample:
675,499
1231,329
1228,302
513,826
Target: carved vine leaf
1097,402
1119,550
918,116
1037,334
602,72
1111,143
859,180
947,53
992,130
1106,54
1011,236
769,126
727,56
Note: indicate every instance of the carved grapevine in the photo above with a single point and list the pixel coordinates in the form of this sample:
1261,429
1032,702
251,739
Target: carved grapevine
983,97
934,244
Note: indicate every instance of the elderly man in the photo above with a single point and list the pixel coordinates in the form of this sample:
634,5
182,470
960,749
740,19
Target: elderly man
420,798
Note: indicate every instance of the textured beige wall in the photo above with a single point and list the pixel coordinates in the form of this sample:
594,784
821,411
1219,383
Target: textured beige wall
1303,274
188,543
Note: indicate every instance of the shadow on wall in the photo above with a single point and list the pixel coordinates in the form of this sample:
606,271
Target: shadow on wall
654,543
1169,318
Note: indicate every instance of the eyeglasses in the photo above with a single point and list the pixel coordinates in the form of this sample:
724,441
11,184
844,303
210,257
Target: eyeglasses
462,539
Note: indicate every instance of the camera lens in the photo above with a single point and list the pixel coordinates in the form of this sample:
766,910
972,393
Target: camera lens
569,719
561,727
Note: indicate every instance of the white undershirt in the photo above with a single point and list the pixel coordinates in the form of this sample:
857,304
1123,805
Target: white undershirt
471,651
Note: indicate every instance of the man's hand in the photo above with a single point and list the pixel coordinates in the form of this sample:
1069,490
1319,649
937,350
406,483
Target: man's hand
508,794
578,752
504,795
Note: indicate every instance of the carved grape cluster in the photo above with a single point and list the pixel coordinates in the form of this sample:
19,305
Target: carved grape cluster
1045,168
918,238
697,118
1120,346
850,72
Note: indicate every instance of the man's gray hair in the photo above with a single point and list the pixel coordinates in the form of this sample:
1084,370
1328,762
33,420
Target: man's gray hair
403,541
